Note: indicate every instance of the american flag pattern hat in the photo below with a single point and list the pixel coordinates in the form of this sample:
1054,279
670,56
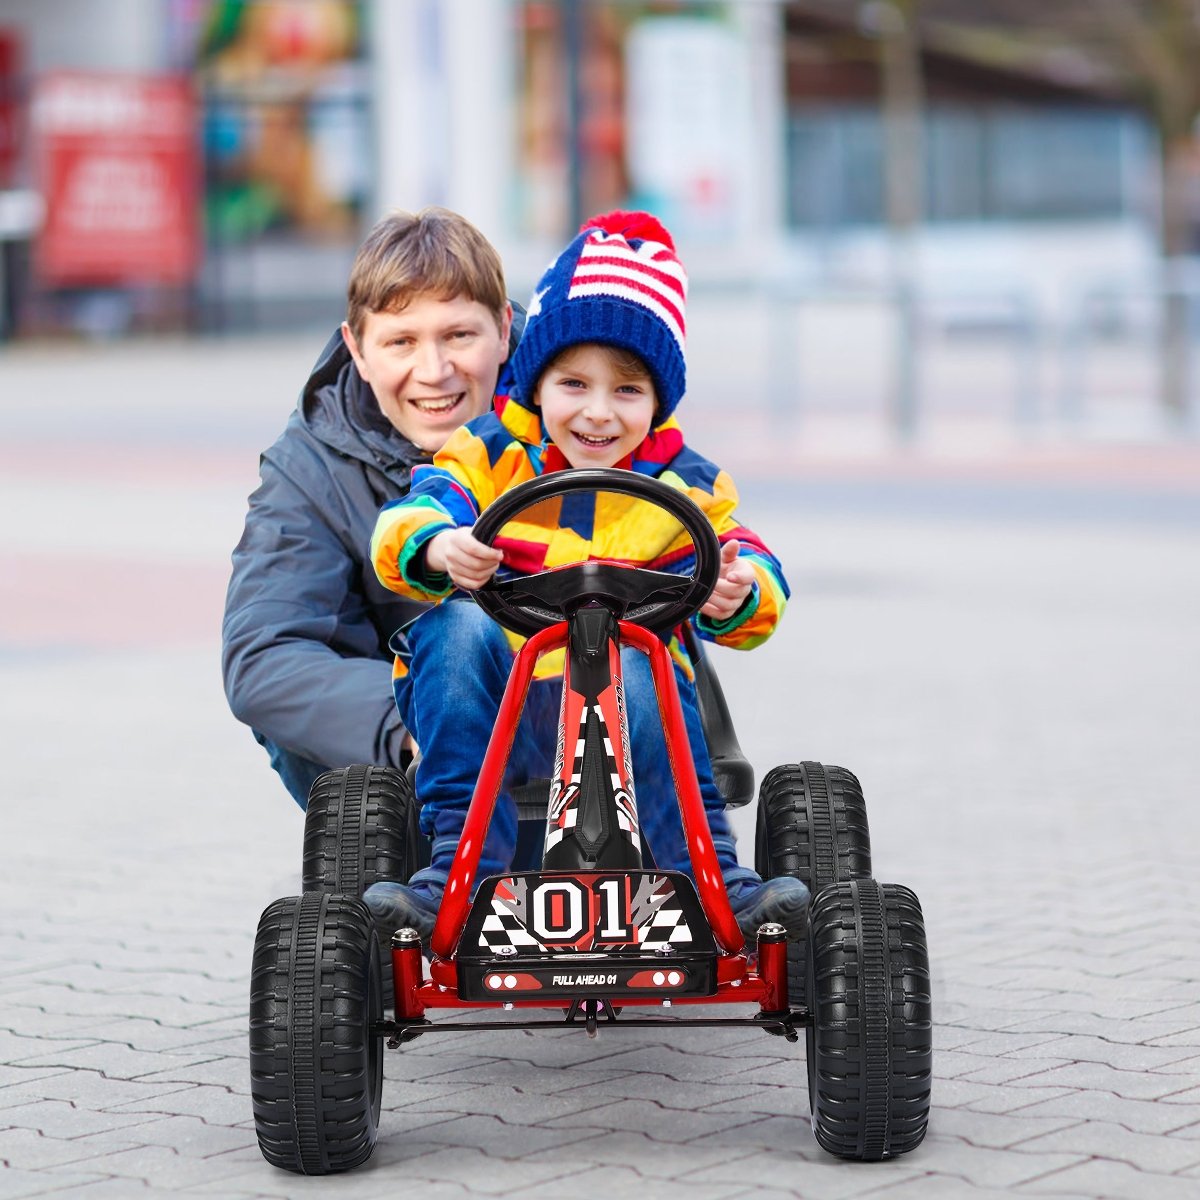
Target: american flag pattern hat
618,283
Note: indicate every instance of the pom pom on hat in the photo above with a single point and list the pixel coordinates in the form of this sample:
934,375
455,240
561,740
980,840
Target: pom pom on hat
642,225
619,283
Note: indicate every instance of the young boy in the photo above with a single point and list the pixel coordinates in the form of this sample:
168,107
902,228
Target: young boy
597,376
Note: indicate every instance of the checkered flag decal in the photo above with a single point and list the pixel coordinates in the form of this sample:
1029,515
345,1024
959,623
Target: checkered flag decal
655,912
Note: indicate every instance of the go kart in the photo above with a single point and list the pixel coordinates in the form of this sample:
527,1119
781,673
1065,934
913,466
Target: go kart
589,936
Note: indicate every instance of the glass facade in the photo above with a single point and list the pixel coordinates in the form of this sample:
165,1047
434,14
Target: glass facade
982,162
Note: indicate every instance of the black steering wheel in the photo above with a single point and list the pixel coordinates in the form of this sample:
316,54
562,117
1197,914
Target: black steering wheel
656,600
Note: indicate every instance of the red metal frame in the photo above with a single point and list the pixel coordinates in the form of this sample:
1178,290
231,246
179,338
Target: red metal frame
736,982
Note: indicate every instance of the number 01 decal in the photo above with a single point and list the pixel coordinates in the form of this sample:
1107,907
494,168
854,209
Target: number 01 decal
565,910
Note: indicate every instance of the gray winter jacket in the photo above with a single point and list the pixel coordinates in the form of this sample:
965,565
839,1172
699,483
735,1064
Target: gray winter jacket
306,627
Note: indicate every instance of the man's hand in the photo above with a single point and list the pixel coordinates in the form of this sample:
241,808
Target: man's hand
737,578
469,563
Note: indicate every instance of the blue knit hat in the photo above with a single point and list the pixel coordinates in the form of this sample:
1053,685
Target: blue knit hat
618,283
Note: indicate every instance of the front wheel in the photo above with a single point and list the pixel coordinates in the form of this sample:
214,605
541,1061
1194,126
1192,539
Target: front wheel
870,1043
316,1071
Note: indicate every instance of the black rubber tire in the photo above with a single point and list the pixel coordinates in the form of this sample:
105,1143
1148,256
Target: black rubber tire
812,824
870,1044
316,1073
360,827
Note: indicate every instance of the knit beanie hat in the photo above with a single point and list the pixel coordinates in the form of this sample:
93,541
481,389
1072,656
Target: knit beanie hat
618,283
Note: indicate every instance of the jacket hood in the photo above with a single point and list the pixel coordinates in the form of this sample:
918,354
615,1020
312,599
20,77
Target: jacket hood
340,410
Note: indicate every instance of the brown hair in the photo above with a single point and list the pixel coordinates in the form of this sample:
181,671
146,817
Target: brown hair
434,251
625,363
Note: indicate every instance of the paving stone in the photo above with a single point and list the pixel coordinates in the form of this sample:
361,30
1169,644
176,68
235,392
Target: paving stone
417,1162
228,1072
1121,1055
998,1131
16,1183
653,1159
26,1050
17,1075
1141,1116
1115,1181
64,1088
674,1063
1189,1038
517,1107
112,1059
987,1097
623,1183
1145,1152
658,1123
213,1105
30,1150
120,1189
61,1119
501,1138
637,1086
1133,1085
826,1179
192,1137
1012,1068
536,1079
166,1167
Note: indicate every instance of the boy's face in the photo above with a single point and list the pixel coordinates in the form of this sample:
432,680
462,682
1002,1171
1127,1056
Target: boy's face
433,365
594,412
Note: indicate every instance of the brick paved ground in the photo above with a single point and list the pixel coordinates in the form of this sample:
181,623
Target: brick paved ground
999,637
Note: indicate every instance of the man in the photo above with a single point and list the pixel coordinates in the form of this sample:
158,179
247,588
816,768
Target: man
305,636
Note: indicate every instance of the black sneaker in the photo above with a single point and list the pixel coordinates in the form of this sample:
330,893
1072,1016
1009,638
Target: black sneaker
783,900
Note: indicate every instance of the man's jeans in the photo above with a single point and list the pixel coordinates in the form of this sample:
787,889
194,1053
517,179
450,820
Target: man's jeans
459,663
298,773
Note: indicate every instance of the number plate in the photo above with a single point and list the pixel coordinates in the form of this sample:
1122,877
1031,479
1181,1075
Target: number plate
589,933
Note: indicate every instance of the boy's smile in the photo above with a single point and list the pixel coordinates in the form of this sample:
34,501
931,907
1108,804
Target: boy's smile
432,365
596,410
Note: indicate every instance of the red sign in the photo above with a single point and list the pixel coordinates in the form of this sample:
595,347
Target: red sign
10,63
118,169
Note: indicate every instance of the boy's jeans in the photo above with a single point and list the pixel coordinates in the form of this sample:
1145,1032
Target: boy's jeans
459,663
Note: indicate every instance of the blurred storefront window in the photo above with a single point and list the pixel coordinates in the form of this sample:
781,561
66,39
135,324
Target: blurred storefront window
1000,143
287,150
1005,162
629,105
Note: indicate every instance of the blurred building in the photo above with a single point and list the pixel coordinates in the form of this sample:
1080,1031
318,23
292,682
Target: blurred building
752,127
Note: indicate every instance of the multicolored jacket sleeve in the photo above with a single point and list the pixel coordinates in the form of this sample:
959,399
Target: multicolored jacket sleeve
462,481
717,495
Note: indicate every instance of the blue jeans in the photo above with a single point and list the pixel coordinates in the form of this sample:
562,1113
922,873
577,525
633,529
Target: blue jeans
298,773
459,663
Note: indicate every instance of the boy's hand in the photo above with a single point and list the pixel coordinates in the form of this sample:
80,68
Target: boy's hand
469,563
737,578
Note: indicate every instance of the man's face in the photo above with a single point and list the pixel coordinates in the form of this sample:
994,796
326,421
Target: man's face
433,365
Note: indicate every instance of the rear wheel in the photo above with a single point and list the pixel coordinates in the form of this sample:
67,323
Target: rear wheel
316,1072
812,824
360,827
870,1045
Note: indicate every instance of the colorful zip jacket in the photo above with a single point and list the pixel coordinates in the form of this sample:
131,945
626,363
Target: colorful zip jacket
508,446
